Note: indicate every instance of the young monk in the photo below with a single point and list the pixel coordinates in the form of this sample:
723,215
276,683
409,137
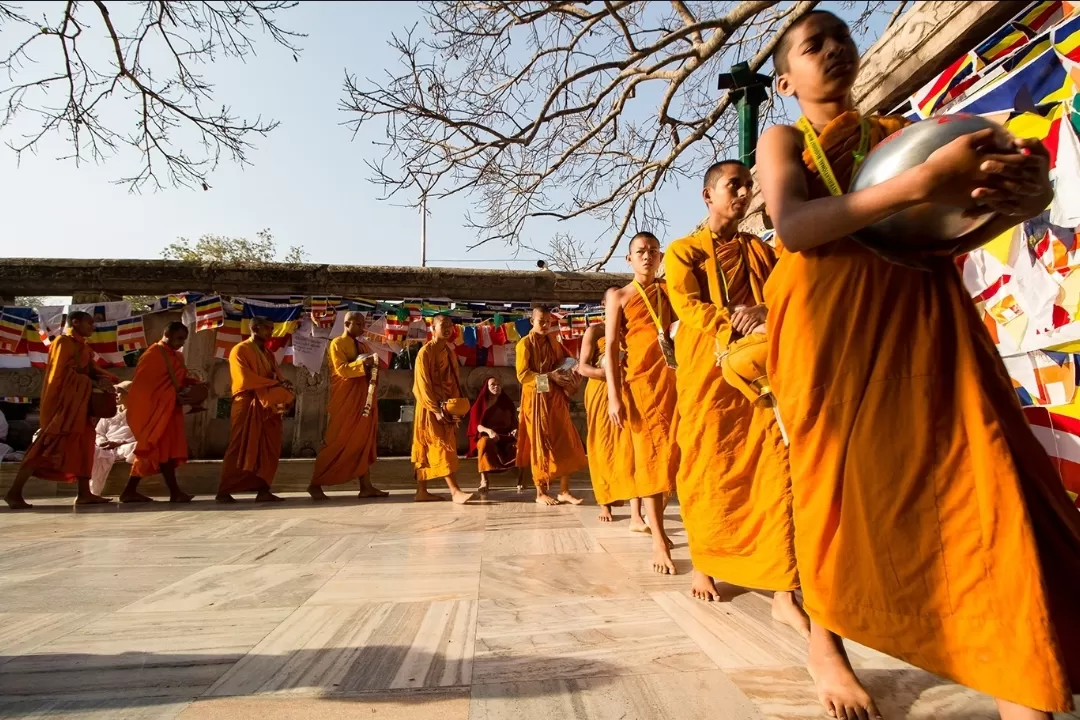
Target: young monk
606,441
261,396
643,393
64,448
733,481
930,524
547,440
493,433
155,413
434,444
352,431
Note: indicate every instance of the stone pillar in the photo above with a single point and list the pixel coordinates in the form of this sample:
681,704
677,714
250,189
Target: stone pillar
199,357
312,400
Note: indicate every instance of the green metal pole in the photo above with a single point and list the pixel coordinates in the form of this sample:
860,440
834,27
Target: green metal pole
748,130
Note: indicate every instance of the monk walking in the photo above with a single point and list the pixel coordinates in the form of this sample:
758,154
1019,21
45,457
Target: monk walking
548,442
155,414
436,381
733,481
642,395
930,523
352,431
606,442
260,396
64,449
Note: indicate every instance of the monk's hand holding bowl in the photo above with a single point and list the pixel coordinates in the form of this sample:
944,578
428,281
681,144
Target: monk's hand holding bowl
744,320
1019,183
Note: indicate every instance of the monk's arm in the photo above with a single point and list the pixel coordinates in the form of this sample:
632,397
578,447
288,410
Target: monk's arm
425,381
804,224
612,332
588,352
65,368
526,376
250,379
340,365
685,295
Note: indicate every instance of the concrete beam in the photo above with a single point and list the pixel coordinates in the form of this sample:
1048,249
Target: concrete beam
43,276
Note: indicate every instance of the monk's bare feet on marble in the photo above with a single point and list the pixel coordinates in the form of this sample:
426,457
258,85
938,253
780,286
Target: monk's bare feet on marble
90,498
224,498
839,690
460,497
605,514
702,586
316,493
786,609
1012,711
134,497
570,499
180,497
367,490
423,495
16,502
542,497
637,525
267,496
661,556
482,491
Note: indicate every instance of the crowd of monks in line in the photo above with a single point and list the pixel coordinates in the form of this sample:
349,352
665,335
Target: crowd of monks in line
889,490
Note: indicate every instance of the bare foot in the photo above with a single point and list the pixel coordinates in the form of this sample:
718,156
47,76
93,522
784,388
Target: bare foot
460,497
840,692
605,513
637,525
224,498
317,493
668,542
1012,711
371,491
702,586
134,497
545,499
570,499
483,490
15,502
181,497
661,559
267,496
425,496
786,609
520,489
92,499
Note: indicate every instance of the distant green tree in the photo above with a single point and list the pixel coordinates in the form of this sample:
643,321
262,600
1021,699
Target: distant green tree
218,248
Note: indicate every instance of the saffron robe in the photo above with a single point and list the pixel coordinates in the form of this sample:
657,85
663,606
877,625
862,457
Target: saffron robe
548,442
436,379
733,481
350,442
610,452
156,421
251,460
930,523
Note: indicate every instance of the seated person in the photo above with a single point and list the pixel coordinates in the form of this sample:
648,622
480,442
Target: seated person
115,441
493,425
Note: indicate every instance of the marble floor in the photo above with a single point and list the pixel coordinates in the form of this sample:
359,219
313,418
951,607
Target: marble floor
388,610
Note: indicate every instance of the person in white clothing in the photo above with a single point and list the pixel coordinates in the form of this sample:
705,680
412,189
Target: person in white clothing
115,441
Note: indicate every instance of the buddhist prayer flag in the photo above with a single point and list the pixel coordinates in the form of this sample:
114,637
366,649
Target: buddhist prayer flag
324,310
12,329
209,313
130,334
1058,432
286,318
228,335
177,300
104,343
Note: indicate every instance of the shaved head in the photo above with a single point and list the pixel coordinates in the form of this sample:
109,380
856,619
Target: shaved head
787,35
261,322
355,316
355,323
78,316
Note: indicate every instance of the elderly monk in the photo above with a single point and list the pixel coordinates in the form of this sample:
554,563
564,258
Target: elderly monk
548,442
733,481
64,448
114,442
260,397
493,433
434,445
641,392
351,433
930,523
155,413
605,441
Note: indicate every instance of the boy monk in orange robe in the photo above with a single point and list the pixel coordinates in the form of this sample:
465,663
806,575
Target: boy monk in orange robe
930,524
155,414
548,442
643,394
64,450
733,481
352,431
436,380
260,397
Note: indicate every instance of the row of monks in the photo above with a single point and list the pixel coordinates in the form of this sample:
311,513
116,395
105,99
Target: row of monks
882,468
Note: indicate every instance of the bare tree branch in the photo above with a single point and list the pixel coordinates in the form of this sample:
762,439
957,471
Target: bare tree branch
895,14
564,110
94,63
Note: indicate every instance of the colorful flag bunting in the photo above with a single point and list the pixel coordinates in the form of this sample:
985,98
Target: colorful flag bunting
209,313
105,346
12,330
130,334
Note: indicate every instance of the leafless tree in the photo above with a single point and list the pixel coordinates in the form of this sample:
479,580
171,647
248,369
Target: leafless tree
564,253
78,69
566,109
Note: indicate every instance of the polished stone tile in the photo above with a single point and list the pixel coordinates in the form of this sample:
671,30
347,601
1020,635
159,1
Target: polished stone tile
22,632
87,589
546,638
234,587
351,523
153,551
735,634
35,556
428,705
113,708
174,654
559,541
520,577
246,525
363,648
534,517
702,695
637,568
408,550
286,550
447,518
359,582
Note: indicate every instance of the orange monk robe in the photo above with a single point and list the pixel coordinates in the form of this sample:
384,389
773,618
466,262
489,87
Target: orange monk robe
548,442
155,419
255,434
64,449
733,482
649,397
930,524
607,444
349,445
436,379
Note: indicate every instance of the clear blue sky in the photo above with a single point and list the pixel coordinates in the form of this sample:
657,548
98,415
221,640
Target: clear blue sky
307,184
